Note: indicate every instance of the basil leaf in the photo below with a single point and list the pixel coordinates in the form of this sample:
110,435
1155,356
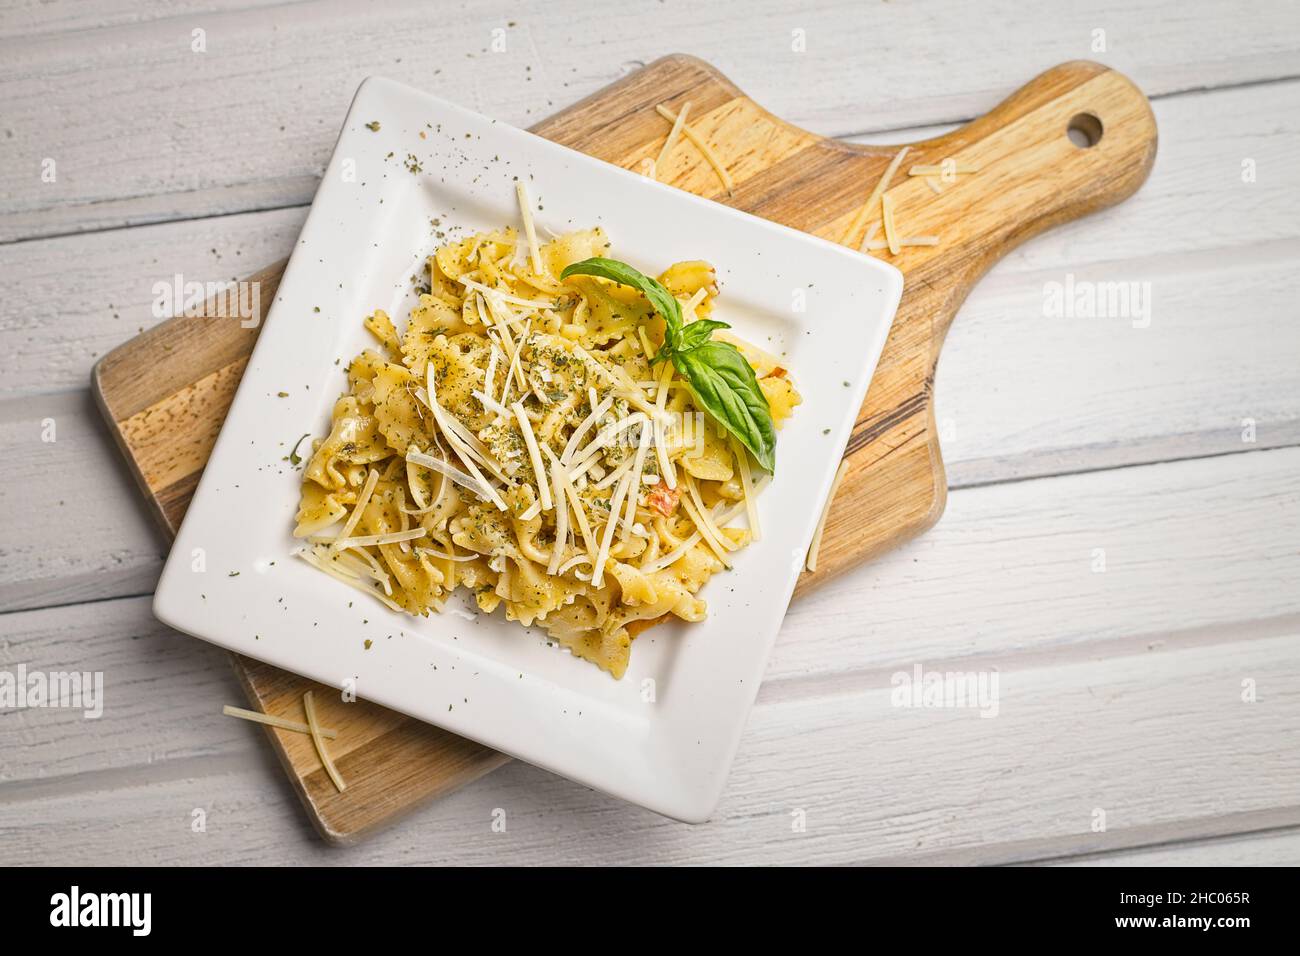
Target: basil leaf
720,378
624,274
698,332
725,386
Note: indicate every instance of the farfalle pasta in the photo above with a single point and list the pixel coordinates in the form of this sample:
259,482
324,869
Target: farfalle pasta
517,438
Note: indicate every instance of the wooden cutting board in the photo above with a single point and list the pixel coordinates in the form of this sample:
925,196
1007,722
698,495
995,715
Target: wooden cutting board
166,392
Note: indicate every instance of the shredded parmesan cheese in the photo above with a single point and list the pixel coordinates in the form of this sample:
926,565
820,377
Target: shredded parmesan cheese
606,435
596,412
867,242
942,169
671,141
598,575
703,147
475,485
271,720
718,542
490,294
491,404
329,566
887,216
629,516
392,537
666,467
561,516
904,242
453,429
309,706
535,454
584,528
811,562
530,230
865,212
747,488
363,499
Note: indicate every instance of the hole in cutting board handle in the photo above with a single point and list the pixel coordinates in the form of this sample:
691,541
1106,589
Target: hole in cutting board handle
1084,130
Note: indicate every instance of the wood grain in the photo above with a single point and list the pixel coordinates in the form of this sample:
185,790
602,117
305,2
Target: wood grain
166,392
75,93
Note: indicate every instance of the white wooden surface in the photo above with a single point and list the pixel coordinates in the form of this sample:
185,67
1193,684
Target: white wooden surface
1121,690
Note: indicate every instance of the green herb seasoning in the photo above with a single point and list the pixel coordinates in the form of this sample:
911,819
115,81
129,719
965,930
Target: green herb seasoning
722,382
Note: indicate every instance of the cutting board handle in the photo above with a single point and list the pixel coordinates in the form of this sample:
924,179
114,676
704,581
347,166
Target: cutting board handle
1078,138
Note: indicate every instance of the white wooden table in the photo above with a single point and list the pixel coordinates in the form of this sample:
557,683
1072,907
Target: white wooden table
1163,690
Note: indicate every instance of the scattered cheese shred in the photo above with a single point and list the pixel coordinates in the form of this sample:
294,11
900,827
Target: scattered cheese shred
598,575
865,212
271,720
905,242
561,513
811,562
671,141
629,516
747,488
706,528
490,294
867,242
887,217
451,472
933,183
534,454
606,435
672,556
666,468
491,404
392,537
363,499
330,567
530,230
309,707
942,169
596,412
708,154
584,528
452,429
490,376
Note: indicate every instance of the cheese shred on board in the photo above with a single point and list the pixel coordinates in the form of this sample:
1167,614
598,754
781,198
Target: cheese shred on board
283,723
671,141
816,546
705,150
869,207
309,707
515,443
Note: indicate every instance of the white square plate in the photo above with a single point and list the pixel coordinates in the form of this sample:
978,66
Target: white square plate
665,735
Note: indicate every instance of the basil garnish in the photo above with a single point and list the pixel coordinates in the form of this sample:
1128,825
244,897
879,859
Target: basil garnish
721,380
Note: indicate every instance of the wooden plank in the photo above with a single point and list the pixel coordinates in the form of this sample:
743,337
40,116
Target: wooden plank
1206,376
1188,549
938,785
1191,204
161,699
1265,848
71,525
29,18
119,166
1169,596
1041,416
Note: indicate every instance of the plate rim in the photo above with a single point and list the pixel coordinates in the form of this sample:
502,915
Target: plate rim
181,617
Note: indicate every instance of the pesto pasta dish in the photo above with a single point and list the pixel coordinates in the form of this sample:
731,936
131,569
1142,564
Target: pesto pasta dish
553,431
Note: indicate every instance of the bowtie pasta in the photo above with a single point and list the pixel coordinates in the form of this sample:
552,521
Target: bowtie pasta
514,439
